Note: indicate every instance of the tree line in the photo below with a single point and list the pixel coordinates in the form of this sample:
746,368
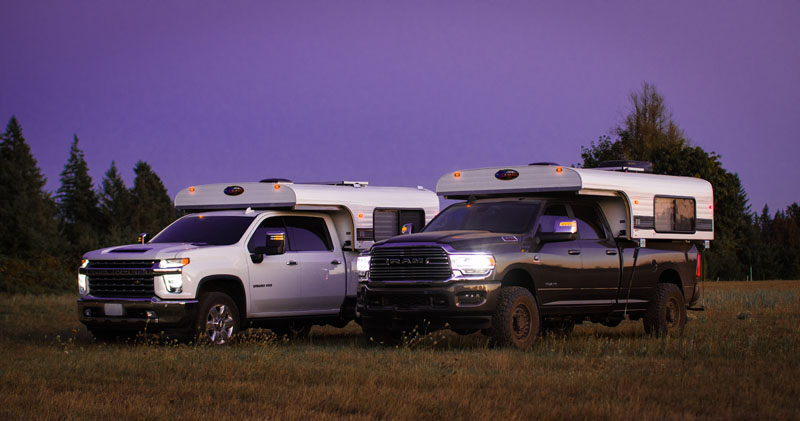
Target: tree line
43,235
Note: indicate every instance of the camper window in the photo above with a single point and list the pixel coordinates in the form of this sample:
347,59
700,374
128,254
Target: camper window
675,214
388,222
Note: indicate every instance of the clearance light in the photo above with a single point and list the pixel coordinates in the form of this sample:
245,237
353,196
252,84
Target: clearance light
559,169
191,189
472,266
360,215
635,202
457,174
277,186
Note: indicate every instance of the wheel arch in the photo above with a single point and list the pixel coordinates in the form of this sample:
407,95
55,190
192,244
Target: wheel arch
518,276
230,285
671,276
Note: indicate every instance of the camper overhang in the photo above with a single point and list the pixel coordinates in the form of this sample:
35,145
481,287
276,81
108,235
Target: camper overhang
642,194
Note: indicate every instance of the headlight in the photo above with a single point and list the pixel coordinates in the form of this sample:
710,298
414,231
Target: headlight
362,265
173,263
173,283
471,265
83,286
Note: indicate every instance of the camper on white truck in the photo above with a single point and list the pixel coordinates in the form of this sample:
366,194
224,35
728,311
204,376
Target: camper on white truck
272,254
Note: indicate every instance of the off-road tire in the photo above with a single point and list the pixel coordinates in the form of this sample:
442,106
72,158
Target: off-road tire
217,319
516,320
666,315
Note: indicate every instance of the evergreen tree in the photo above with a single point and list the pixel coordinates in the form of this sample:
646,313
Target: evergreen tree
650,134
27,212
153,208
116,205
78,203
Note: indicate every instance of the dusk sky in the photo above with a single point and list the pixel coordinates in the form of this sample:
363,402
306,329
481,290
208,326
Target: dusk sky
396,93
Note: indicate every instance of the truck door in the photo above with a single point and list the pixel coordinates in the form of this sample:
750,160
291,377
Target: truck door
274,288
556,265
319,263
600,257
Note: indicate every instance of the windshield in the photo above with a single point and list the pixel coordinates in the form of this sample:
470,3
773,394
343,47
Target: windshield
203,229
503,217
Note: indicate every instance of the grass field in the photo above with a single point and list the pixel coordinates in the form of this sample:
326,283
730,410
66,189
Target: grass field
740,359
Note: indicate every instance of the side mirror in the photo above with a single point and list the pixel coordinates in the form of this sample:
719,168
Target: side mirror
564,229
142,238
275,244
407,229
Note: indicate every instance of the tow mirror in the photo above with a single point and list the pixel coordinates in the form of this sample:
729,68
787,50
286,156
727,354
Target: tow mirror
142,238
407,229
275,244
563,229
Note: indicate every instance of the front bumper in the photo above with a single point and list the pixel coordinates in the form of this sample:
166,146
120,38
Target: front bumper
136,313
460,305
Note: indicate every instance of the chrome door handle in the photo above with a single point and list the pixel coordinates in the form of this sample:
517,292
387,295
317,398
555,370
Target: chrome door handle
336,262
291,263
611,252
574,252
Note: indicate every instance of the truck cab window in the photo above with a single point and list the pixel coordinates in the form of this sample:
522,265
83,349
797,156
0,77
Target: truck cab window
307,234
590,226
259,237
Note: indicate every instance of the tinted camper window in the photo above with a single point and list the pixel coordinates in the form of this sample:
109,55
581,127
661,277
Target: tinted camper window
388,222
674,214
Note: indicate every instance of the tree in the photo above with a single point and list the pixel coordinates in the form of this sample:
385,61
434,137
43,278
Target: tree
27,212
78,203
116,206
152,206
650,134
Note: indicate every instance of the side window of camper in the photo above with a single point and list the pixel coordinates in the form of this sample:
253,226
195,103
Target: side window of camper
259,238
307,234
388,222
674,214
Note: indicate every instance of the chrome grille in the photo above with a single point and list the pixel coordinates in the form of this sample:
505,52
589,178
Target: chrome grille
409,264
121,278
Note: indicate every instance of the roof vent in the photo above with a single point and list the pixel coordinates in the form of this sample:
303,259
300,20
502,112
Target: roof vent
277,180
626,166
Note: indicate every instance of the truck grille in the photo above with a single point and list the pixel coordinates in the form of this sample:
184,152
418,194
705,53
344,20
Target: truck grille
409,264
121,278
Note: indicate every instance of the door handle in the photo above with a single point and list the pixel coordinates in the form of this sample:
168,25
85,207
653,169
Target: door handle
611,252
574,252
291,263
336,262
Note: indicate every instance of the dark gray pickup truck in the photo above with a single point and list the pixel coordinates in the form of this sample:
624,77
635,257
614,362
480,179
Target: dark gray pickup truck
515,266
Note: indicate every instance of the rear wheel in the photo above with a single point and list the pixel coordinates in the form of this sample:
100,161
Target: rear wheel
666,315
218,319
515,322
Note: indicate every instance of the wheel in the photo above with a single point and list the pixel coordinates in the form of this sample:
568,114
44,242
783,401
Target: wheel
558,328
515,322
292,330
666,314
217,320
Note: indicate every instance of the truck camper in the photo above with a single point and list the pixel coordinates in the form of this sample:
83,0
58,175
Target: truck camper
271,254
540,247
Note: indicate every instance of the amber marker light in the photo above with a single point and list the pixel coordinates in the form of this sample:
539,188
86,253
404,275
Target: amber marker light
635,202
191,189
559,169
360,215
277,186
457,174
185,261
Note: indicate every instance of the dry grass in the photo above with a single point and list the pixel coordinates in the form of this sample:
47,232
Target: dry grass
737,360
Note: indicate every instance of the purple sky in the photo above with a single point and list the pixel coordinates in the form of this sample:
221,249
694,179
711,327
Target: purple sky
396,93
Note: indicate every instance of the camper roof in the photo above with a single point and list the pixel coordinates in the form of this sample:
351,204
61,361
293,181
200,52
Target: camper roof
638,190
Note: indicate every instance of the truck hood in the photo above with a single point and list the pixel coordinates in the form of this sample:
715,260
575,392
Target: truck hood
150,251
458,240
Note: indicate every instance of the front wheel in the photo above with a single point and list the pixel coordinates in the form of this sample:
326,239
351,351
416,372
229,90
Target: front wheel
218,319
666,315
516,321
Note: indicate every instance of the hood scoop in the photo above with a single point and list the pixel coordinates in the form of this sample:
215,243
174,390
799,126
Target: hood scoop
130,250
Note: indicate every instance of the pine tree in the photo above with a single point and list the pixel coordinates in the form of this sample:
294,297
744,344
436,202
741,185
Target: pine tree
78,203
116,205
27,212
153,208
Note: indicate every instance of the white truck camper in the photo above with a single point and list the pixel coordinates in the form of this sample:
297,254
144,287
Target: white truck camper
271,254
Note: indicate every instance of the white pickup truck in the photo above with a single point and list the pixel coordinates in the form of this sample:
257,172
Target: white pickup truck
272,254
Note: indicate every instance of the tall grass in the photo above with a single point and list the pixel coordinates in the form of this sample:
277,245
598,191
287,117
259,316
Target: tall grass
726,366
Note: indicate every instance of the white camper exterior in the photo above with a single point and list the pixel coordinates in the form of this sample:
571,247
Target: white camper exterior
637,205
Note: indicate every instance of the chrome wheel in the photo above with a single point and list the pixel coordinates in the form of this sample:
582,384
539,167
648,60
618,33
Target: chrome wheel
219,324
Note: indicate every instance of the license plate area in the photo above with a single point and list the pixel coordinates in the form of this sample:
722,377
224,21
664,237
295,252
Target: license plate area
113,309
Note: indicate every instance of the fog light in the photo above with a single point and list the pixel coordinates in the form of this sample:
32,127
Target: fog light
471,297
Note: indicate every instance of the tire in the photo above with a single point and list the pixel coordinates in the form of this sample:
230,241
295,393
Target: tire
516,321
666,315
217,319
292,331
560,328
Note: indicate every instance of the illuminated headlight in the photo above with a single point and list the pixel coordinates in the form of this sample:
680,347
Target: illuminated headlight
173,283
471,265
173,263
83,286
362,265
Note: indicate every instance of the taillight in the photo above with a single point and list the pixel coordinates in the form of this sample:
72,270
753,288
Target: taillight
698,265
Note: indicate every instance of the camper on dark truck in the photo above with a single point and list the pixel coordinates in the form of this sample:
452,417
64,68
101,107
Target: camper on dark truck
273,254
542,247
